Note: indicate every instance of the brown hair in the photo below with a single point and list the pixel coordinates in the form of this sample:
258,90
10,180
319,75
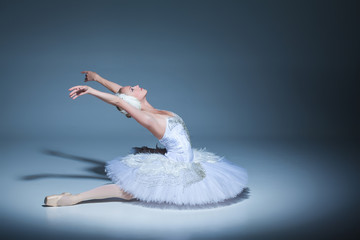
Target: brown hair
127,115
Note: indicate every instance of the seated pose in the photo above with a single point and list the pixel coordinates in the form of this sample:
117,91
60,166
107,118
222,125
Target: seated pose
178,174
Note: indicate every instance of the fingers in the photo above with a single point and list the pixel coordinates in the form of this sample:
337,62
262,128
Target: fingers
73,92
74,96
77,95
77,91
86,75
76,87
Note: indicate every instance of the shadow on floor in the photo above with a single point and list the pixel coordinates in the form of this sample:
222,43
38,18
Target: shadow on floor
97,168
53,175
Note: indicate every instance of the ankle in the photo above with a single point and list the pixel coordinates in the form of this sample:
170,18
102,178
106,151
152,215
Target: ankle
75,198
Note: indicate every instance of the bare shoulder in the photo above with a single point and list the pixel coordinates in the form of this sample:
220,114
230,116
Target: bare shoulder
162,115
165,114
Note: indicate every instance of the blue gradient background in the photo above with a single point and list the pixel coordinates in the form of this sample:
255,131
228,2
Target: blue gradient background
248,69
270,84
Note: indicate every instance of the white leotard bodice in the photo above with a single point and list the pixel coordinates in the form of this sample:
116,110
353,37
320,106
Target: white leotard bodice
176,140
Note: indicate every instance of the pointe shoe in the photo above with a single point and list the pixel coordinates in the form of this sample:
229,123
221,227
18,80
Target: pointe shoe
52,200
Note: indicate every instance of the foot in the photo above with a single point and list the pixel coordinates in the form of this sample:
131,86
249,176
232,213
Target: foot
58,200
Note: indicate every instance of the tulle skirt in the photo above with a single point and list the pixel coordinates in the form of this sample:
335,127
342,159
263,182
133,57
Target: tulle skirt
153,177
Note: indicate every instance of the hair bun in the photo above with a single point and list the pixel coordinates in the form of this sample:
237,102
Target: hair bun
133,101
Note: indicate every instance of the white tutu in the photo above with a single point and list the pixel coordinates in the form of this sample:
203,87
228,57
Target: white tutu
153,177
183,175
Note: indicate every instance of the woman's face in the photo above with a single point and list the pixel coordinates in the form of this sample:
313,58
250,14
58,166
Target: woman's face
134,91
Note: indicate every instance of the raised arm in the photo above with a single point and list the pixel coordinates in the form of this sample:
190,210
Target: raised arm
142,117
93,76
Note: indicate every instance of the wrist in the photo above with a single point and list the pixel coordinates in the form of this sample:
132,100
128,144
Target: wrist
91,91
99,79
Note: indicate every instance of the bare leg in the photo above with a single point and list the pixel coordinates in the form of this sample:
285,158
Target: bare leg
102,192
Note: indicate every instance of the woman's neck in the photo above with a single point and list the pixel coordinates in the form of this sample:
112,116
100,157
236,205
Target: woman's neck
146,106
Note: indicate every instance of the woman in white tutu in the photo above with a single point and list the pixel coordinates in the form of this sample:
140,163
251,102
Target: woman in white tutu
178,174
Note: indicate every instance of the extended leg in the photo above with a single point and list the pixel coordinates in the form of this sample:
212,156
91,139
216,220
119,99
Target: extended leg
102,192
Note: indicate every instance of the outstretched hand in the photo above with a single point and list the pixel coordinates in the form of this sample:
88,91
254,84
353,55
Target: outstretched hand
91,76
78,91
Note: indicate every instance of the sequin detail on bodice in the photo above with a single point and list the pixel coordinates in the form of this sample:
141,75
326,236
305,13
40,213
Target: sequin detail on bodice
176,140
174,121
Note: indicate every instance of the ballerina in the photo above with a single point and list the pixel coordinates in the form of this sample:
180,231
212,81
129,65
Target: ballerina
178,174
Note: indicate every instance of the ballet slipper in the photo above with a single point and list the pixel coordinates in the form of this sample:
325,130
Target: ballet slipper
53,200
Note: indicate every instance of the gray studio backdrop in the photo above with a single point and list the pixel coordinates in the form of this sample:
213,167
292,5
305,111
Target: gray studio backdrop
234,69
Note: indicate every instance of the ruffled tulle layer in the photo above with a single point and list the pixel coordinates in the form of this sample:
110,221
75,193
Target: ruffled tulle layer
152,177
